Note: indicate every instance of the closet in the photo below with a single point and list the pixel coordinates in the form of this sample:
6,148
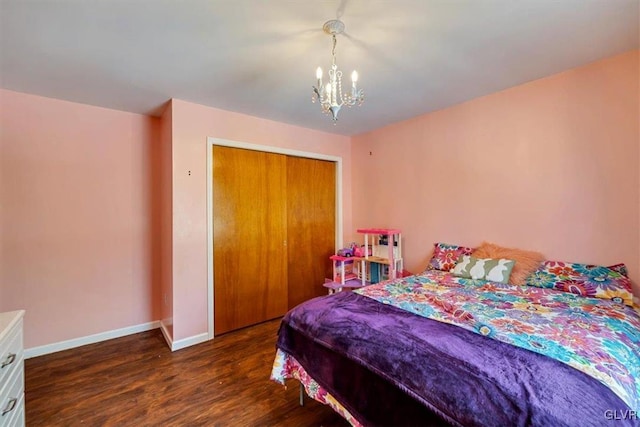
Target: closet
274,221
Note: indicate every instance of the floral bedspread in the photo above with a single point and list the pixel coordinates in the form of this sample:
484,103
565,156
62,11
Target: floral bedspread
285,366
595,336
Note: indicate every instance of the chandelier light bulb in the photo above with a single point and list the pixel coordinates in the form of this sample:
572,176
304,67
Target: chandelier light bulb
330,96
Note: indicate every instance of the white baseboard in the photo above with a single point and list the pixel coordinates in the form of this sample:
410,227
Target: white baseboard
166,334
91,339
188,342
183,343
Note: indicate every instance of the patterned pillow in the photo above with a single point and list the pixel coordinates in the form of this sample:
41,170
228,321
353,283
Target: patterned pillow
526,261
494,270
587,280
620,268
445,256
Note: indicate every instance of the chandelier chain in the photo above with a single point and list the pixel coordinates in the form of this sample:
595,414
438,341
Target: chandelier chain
333,50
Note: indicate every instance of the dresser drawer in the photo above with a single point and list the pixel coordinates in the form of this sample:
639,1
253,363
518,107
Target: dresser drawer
18,418
12,397
11,350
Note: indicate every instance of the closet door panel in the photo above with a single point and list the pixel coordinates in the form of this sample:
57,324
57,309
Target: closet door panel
311,224
249,232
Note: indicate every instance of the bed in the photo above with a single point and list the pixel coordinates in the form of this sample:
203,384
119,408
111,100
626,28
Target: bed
438,349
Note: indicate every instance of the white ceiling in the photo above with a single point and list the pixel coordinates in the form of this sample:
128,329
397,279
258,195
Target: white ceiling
259,57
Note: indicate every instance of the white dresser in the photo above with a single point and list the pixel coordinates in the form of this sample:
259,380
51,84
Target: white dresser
11,369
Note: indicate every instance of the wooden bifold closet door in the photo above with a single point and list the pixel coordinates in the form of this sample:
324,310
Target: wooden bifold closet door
273,230
311,225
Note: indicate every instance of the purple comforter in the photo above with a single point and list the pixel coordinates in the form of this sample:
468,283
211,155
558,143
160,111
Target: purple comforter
391,367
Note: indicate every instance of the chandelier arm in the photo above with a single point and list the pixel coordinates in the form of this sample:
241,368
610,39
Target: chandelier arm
318,95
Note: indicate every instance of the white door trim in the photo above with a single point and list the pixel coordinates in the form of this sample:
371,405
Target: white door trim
268,149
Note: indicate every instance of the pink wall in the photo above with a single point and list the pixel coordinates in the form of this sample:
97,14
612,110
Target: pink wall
192,124
80,247
551,165
99,217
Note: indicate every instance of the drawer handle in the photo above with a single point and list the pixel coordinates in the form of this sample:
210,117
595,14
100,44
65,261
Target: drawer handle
10,359
10,406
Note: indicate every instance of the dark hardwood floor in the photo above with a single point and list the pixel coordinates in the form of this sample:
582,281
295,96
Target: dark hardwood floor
136,380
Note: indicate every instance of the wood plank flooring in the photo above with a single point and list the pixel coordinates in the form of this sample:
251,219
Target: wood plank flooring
136,380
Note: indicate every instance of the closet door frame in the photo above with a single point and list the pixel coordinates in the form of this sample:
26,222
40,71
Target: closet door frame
210,211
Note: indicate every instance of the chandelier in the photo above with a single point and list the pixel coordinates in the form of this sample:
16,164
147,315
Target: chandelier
330,96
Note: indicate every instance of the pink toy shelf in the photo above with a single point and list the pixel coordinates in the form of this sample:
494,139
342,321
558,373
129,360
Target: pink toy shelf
387,251
381,260
344,275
